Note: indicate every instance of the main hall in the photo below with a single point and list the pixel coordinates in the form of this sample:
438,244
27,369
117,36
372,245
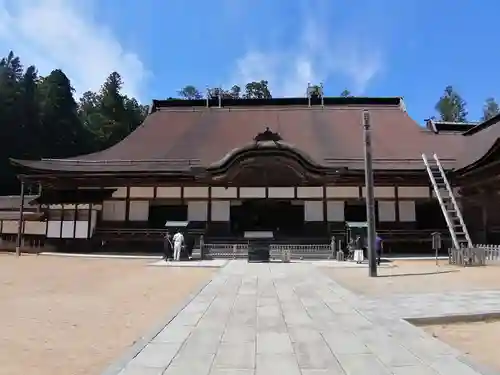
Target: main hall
293,166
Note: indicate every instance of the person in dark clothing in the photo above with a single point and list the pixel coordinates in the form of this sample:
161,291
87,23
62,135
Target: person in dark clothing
378,247
189,243
167,247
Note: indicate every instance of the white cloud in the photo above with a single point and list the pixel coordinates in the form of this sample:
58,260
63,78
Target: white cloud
321,52
63,34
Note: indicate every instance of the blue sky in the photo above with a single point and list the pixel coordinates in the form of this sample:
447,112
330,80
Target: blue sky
374,48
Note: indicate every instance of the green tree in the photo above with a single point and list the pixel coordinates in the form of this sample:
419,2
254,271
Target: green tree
234,92
63,133
190,92
136,112
116,123
257,90
346,94
11,72
29,118
39,117
451,106
490,109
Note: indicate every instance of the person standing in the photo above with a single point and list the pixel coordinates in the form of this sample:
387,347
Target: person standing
167,246
178,242
378,247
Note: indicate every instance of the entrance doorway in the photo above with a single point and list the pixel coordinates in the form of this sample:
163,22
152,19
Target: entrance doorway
160,214
280,216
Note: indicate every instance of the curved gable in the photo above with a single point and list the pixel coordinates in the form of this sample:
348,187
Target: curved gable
267,162
480,145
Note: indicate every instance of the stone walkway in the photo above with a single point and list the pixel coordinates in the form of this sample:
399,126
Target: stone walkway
291,319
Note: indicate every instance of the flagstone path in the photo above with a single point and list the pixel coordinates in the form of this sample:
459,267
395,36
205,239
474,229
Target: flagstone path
277,318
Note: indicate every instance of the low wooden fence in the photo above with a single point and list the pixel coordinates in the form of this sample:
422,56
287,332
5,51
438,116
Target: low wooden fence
479,255
224,250
313,251
240,250
28,244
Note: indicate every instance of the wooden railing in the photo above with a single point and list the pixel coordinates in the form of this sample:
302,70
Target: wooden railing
296,251
479,255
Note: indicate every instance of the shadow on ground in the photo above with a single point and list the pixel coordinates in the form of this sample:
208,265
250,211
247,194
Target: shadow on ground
418,273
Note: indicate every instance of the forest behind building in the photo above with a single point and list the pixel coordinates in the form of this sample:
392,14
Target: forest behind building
40,117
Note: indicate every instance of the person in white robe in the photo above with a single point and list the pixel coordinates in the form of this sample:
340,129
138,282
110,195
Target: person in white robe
178,240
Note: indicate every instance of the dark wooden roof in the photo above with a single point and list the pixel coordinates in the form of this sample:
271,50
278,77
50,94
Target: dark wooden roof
179,136
449,126
480,142
49,196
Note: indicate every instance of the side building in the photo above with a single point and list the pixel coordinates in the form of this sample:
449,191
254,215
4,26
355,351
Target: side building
227,167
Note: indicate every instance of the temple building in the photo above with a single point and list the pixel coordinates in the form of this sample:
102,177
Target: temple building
289,165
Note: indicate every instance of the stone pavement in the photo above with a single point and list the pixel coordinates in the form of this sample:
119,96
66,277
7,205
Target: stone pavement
291,319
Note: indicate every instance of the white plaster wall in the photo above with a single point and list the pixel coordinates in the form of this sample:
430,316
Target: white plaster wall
67,229
70,229
310,192
9,226
138,211
54,229
35,227
252,192
142,192
168,192
342,192
335,211
113,210
407,211
281,192
82,227
413,192
313,211
382,191
197,211
196,192
221,210
387,211
224,192
121,192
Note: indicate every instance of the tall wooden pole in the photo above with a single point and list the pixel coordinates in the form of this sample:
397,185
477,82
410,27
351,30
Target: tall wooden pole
21,222
370,199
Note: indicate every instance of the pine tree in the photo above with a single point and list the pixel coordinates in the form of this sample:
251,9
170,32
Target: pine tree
490,109
451,107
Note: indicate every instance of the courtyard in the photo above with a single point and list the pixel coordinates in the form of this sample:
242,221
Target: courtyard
71,315
416,277
404,281
64,316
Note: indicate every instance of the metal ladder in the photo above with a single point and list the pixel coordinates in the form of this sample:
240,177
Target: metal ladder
449,207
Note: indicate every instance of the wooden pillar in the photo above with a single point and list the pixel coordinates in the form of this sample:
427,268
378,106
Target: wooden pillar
485,201
209,208
325,210
21,222
89,223
127,206
396,198
61,222
75,213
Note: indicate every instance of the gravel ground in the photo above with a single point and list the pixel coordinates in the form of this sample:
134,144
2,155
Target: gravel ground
72,316
478,340
417,276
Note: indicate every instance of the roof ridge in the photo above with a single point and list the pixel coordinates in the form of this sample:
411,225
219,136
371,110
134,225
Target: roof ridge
279,108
